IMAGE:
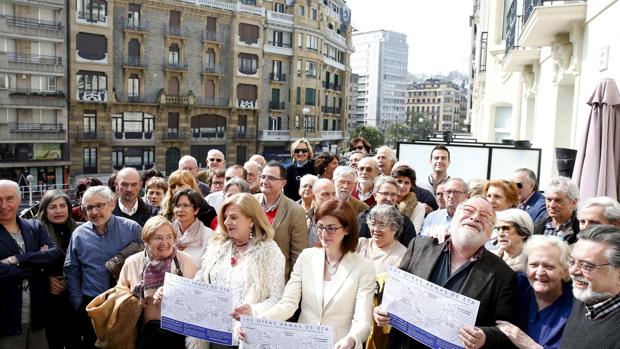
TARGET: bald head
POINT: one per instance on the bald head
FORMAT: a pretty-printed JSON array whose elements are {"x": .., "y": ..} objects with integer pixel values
[
  {"x": 259, "y": 159},
  {"x": 324, "y": 190},
  {"x": 129, "y": 184},
  {"x": 189, "y": 163}
]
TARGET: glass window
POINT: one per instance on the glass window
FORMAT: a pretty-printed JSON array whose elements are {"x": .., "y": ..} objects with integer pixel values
[
  {"x": 248, "y": 33},
  {"x": 310, "y": 96},
  {"x": 90, "y": 160},
  {"x": 248, "y": 64}
]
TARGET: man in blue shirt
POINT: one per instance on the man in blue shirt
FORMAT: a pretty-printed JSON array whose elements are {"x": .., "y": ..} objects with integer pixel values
[
  {"x": 92, "y": 244},
  {"x": 437, "y": 222},
  {"x": 530, "y": 199}
]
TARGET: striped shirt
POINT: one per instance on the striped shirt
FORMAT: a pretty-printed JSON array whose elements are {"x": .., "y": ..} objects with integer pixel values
[{"x": 601, "y": 310}]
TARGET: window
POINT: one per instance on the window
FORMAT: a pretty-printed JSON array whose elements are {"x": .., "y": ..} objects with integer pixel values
[
  {"x": 140, "y": 158},
  {"x": 310, "y": 96},
  {"x": 275, "y": 123},
  {"x": 210, "y": 89},
  {"x": 277, "y": 7},
  {"x": 91, "y": 86},
  {"x": 312, "y": 43},
  {"x": 208, "y": 126},
  {"x": 248, "y": 64},
  {"x": 211, "y": 24},
  {"x": 48, "y": 83},
  {"x": 483, "y": 51},
  {"x": 311, "y": 69},
  {"x": 300, "y": 40},
  {"x": 298, "y": 96},
  {"x": 90, "y": 122},
  {"x": 173, "y": 54},
  {"x": 4, "y": 81},
  {"x": 133, "y": 16},
  {"x": 173, "y": 124},
  {"x": 309, "y": 123},
  {"x": 210, "y": 59},
  {"x": 325, "y": 124},
  {"x": 333, "y": 125},
  {"x": 133, "y": 88},
  {"x": 297, "y": 122},
  {"x": 174, "y": 21},
  {"x": 276, "y": 70},
  {"x": 299, "y": 67},
  {"x": 248, "y": 33},
  {"x": 91, "y": 47},
  {"x": 90, "y": 160},
  {"x": 302, "y": 11},
  {"x": 242, "y": 124},
  {"x": 247, "y": 92},
  {"x": 314, "y": 14},
  {"x": 249, "y": 2},
  {"x": 133, "y": 125},
  {"x": 92, "y": 10}
]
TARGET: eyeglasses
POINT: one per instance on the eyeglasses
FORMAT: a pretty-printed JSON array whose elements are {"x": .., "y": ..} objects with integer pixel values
[
  {"x": 453, "y": 192},
  {"x": 584, "y": 266},
  {"x": 470, "y": 210},
  {"x": 270, "y": 178},
  {"x": 519, "y": 185},
  {"x": 357, "y": 148},
  {"x": 301, "y": 150},
  {"x": 379, "y": 225},
  {"x": 330, "y": 229},
  {"x": 216, "y": 160},
  {"x": 366, "y": 169},
  {"x": 98, "y": 206},
  {"x": 216, "y": 183},
  {"x": 439, "y": 193},
  {"x": 183, "y": 206},
  {"x": 387, "y": 193}
]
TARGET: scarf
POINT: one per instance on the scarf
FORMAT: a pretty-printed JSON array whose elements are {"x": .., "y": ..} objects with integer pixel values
[
  {"x": 408, "y": 204},
  {"x": 191, "y": 237},
  {"x": 153, "y": 275}
]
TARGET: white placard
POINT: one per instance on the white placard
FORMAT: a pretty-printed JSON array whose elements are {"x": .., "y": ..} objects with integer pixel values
[{"x": 272, "y": 334}]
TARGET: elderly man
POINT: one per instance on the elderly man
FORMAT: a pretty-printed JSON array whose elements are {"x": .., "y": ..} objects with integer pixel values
[
  {"x": 286, "y": 217},
  {"x": 189, "y": 163},
  {"x": 367, "y": 171},
  {"x": 561, "y": 218},
  {"x": 437, "y": 222},
  {"x": 217, "y": 198},
  {"x": 386, "y": 158},
  {"x": 324, "y": 190},
  {"x": 354, "y": 158},
  {"x": 462, "y": 264},
  {"x": 254, "y": 170},
  {"x": 440, "y": 161},
  {"x": 344, "y": 179},
  {"x": 215, "y": 160},
  {"x": 595, "y": 270},
  {"x": 92, "y": 245},
  {"x": 598, "y": 210},
  {"x": 129, "y": 205},
  {"x": 26, "y": 252},
  {"x": 259, "y": 159},
  {"x": 386, "y": 193},
  {"x": 531, "y": 200}
]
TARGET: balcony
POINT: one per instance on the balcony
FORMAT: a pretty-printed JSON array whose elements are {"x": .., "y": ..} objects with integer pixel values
[
  {"x": 278, "y": 47},
  {"x": 148, "y": 135},
  {"x": 22, "y": 97},
  {"x": 214, "y": 101},
  {"x": 25, "y": 63},
  {"x": 92, "y": 96},
  {"x": 543, "y": 19},
  {"x": 248, "y": 73},
  {"x": 213, "y": 69},
  {"x": 90, "y": 135},
  {"x": 332, "y": 135},
  {"x": 43, "y": 3},
  {"x": 247, "y": 104},
  {"x": 335, "y": 38},
  {"x": 136, "y": 62},
  {"x": 173, "y": 30},
  {"x": 175, "y": 67},
  {"x": 88, "y": 17},
  {"x": 330, "y": 110},
  {"x": 277, "y": 77},
  {"x": 174, "y": 135},
  {"x": 32, "y": 28},
  {"x": 32, "y": 131},
  {"x": 209, "y": 133},
  {"x": 244, "y": 135},
  {"x": 136, "y": 99},
  {"x": 136, "y": 26},
  {"x": 274, "y": 135},
  {"x": 187, "y": 100},
  {"x": 517, "y": 57},
  {"x": 280, "y": 18},
  {"x": 216, "y": 37},
  {"x": 332, "y": 86},
  {"x": 277, "y": 105}
]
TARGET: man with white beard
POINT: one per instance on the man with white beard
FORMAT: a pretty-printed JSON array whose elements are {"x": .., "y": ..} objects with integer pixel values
[
  {"x": 367, "y": 171},
  {"x": 462, "y": 264},
  {"x": 344, "y": 180},
  {"x": 595, "y": 270}
]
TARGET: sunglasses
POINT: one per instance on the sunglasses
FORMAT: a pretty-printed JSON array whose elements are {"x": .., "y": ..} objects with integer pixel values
[
  {"x": 302, "y": 150},
  {"x": 216, "y": 160},
  {"x": 357, "y": 148},
  {"x": 520, "y": 185}
]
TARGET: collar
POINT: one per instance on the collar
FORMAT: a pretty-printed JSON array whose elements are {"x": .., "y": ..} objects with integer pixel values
[
  {"x": 602, "y": 309},
  {"x": 432, "y": 181},
  {"x": 263, "y": 204},
  {"x": 361, "y": 195},
  {"x": 526, "y": 203},
  {"x": 128, "y": 211},
  {"x": 477, "y": 255},
  {"x": 302, "y": 163}
]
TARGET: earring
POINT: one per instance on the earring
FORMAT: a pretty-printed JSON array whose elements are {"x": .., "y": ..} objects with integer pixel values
[{"x": 252, "y": 234}]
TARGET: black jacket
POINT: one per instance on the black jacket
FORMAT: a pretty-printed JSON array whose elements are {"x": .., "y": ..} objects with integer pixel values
[
  {"x": 144, "y": 212},
  {"x": 293, "y": 175},
  {"x": 404, "y": 237}
]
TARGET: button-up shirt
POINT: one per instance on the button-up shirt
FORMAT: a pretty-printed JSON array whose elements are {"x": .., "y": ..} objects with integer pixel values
[
  {"x": 436, "y": 220},
  {"x": 126, "y": 210},
  {"x": 601, "y": 310},
  {"x": 85, "y": 271}
]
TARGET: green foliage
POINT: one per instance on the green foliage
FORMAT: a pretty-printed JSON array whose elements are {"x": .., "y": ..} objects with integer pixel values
[
  {"x": 371, "y": 134},
  {"x": 397, "y": 133}
]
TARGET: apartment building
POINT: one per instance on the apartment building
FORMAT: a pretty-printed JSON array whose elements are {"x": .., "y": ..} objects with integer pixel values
[
  {"x": 155, "y": 80},
  {"x": 380, "y": 60},
  {"x": 534, "y": 66},
  {"x": 440, "y": 101},
  {"x": 33, "y": 89}
]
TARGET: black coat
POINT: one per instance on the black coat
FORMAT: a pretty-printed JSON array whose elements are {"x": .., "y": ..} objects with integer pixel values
[
  {"x": 144, "y": 212},
  {"x": 293, "y": 175}
]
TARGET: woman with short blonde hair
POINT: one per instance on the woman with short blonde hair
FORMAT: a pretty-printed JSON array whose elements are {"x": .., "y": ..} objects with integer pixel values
[{"x": 302, "y": 164}]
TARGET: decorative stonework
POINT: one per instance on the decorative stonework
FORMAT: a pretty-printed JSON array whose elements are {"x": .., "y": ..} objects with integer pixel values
[{"x": 565, "y": 61}]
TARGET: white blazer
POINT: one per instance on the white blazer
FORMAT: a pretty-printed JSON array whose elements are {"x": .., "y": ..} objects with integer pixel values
[{"x": 347, "y": 304}]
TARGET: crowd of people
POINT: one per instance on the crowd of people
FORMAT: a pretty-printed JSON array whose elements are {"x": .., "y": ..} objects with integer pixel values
[{"x": 312, "y": 243}]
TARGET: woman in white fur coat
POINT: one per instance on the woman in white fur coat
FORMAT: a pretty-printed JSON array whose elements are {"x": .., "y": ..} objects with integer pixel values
[{"x": 242, "y": 255}]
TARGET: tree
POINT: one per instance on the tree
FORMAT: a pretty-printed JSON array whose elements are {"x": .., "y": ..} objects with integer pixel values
[
  {"x": 370, "y": 133},
  {"x": 421, "y": 128},
  {"x": 397, "y": 132}
]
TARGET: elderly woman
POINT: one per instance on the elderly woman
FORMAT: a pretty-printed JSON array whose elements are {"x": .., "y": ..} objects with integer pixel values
[
  {"x": 407, "y": 201},
  {"x": 325, "y": 163},
  {"x": 144, "y": 273},
  {"x": 243, "y": 256},
  {"x": 155, "y": 189},
  {"x": 334, "y": 284},
  {"x": 191, "y": 232},
  {"x": 302, "y": 154},
  {"x": 305, "y": 191},
  {"x": 180, "y": 180},
  {"x": 501, "y": 194},
  {"x": 513, "y": 228},
  {"x": 235, "y": 186},
  {"x": 385, "y": 223},
  {"x": 544, "y": 294},
  {"x": 54, "y": 214}
]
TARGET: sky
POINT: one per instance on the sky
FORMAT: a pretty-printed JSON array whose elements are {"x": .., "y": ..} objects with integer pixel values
[{"x": 438, "y": 31}]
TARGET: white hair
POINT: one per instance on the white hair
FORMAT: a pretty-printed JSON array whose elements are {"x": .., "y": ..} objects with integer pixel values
[
  {"x": 611, "y": 207},
  {"x": 188, "y": 158},
  {"x": 12, "y": 184},
  {"x": 102, "y": 190},
  {"x": 564, "y": 185},
  {"x": 344, "y": 171}
]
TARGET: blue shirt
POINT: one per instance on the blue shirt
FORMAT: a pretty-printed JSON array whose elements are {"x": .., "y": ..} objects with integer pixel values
[
  {"x": 535, "y": 207},
  {"x": 85, "y": 271},
  {"x": 545, "y": 326},
  {"x": 436, "y": 220}
]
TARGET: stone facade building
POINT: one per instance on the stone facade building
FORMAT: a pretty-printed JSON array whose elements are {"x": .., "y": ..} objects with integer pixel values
[{"x": 440, "y": 101}]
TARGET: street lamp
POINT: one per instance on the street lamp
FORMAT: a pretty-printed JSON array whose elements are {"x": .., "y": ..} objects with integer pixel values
[
  {"x": 306, "y": 111},
  {"x": 30, "y": 179}
]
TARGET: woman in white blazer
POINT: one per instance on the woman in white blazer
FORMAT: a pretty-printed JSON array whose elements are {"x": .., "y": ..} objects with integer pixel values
[{"x": 333, "y": 282}]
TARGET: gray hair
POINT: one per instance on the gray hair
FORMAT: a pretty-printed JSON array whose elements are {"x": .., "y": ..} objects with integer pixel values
[
  {"x": 372, "y": 160},
  {"x": 188, "y": 158},
  {"x": 12, "y": 184},
  {"x": 381, "y": 180},
  {"x": 531, "y": 176},
  {"x": 390, "y": 152},
  {"x": 520, "y": 218},
  {"x": 611, "y": 207},
  {"x": 240, "y": 182},
  {"x": 391, "y": 214},
  {"x": 102, "y": 190},
  {"x": 604, "y": 234},
  {"x": 468, "y": 200},
  {"x": 563, "y": 185},
  {"x": 463, "y": 183},
  {"x": 547, "y": 241},
  {"x": 344, "y": 171},
  {"x": 309, "y": 176},
  {"x": 320, "y": 182},
  {"x": 252, "y": 163}
]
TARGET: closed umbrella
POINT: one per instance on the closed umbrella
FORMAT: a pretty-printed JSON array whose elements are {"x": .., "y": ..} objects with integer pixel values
[{"x": 597, "y": 166}]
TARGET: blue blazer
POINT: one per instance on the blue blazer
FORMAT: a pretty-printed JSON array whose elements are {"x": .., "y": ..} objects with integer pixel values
[
  {"x": 34, "y": 266},
  {"x": 535, "y": 207}
]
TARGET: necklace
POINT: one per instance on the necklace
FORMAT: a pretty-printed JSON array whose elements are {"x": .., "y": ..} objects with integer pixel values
[
  {"x": 332, "y": 267},
  {"x": 235, "y": 251}
]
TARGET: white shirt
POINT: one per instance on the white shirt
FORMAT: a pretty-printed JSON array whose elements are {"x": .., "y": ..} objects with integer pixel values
[{"x": 127, "y": 211}]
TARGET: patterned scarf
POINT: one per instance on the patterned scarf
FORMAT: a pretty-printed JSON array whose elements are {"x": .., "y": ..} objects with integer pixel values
[
  {"x": 191, "y": 237},
  {"x": 153, "y": 275}
]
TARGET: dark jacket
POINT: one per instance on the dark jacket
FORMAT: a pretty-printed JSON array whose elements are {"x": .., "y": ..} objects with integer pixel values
[
  {"x": 426, "y": 197},
  {"x": 33, "y": 265},
  {"x": 539, "y": 228},
  {"x": 206, "y": 213},
  {"x": 490, "y": 281},
  {"x": 293, "y": 175},
  {"x": 404, "y": 237},
  {"x": 144, "y": 212},
  {"x": 61, "y": 240},
  {"x": 535, "y": 207}
]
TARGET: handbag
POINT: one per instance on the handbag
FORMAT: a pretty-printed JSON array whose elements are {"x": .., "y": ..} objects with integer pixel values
[{"x": 114, "y": 315}]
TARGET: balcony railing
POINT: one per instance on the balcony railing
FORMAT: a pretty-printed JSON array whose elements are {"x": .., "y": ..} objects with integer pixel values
[
  {"x": 136, "y": 62},
  {"x": 280, "y": 17},
  {"x": 34, "y": 127},
  {"x": 32, "y": 131},
  {"x": 332, "y": 86},
  {"x": 330, "y": 110},
  {"x": 277, "y": 105},
  {"x": 53, "y": 3},
  {"x": 174, "y": 135},
  {"x": 216, "y": 69},
  {"x": 173, "y": 30},
  {"x": 277, "y": 77},
  {"x": 280, "y": 44},
  {"x": 332, "y": 135},
  {"x": 138, "y": 26},
  {"x": 29, "y": 62},
  {"x": 208, "y": 133},
  {"x": 132, "y": 135},
  {"x": 33, "y": 97},
  {"x": 513, "y": 27},
  {"x": 90, "y": 17},
  {"x": 95, "y": 96},
  {"x": 247, "y": 104},
  {"x": 214, "y": 101},
  {"x": 274, "y": 135},
  {"x": 244, "y": 135},
  {"x": 135, "y": 99},
  {"x": 216, "y": 36},
  {"x": 90, "y": 134},
  {"x": 176, "y": 66},
  {"x": 31, "y": 27}
]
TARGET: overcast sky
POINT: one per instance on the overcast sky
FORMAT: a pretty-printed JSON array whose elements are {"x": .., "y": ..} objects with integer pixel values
[{"x": 438, "y": 31}]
